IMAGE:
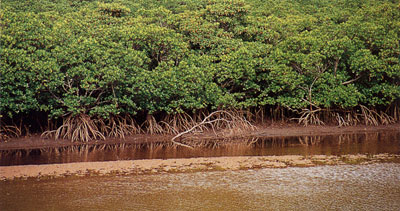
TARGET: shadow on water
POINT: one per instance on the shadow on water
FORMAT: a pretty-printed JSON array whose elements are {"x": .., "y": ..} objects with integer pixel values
[{"x": 362, "y": 143}]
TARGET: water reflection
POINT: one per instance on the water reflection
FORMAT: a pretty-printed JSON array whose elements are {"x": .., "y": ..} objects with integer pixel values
[{"x": 365, "y": 143}]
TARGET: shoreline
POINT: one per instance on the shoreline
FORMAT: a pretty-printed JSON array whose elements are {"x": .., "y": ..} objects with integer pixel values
[
  {"x": 275, "y": 130},
  {"x": 184, "y": 165}
]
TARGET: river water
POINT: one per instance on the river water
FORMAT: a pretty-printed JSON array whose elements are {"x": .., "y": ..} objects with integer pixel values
[
  {"x": 346, "y": 187},
  {"x": 349, "y": 187},
  {"x": 358, "y": 143}
]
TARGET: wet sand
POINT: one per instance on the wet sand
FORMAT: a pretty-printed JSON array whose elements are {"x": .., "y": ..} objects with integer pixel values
[{"x": 159, "y": 166}]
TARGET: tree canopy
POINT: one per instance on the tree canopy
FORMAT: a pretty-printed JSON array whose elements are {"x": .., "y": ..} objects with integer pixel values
[{"x": 102, "y": 58}]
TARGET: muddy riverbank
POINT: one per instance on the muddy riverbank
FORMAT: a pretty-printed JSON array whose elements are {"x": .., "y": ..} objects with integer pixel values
[
  {"x": 159, "y": 166},
  {"x": 275, "y": 130}
]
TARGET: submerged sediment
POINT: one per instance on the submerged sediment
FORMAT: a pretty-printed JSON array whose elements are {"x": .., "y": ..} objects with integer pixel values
[{"x": 157, "y": 166}]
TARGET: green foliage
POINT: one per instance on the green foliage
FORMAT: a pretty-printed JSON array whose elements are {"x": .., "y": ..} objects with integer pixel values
[
  {"x": 114, "y": 9},
  {"x": 104, "y": 58}
]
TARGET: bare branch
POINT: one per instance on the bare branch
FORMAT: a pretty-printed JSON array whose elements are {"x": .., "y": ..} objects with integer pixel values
[
  {"x": 201, "y": 123},
  {"x": 352, "y": 80},
  {"x": 228, "y": 118},
  {"x": 297, "y": 67},
  {"x": 336, "y": 65}
]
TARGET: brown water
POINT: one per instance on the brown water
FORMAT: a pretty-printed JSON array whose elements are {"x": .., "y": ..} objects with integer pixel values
[
  {"x": 362, "y": 143},
  {"x": 349, "y": 187}
]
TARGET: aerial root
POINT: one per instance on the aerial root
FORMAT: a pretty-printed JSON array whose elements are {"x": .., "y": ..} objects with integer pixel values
[
  {"x": 10, "y": 131},
  {"x": 218, "y": 121},
  {"x": 76, "y": 128},
  {"x": 345, "y": 118},
  {"x": 309, "y": 117},
  {"x": 371, "y": 117},
  {"x": 152, "y": 126},
  {"x": 119, "y": 126},
  {"x": 348, "y": 119}
]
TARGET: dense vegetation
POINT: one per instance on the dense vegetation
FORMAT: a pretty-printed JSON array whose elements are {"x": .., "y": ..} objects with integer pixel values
[{"x": 104, "y": 60}]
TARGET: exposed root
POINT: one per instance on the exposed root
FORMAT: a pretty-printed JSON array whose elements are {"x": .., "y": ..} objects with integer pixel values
[
  {"x": 348, "y": 119},
  {"x": 386, "y": 119},
  {"x": 219, "y": 120},
  {"x": 367, "y": 116},
  {"x": 118, "y": 127},
  {"x": 76, "y": 128},
  {"x": 178, "y": 122},
  {"x": 3, "y": 137},
  {"x": 371, "y": 117},
  {"x": 230, "y": 123},
  {"x": 151, "y": 126},
  {"x": 259, "y": 116},
  {"x": 82, "y": 128},
  {"x": 11, "y": 131},
  {"x": 278, "y": 113},
  {"x": 396, "y": 113},
  {"x": 309, "y": 117}
]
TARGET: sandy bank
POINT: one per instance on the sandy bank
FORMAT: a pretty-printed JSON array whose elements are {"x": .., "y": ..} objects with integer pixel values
[{"x": 156, "y": 166}]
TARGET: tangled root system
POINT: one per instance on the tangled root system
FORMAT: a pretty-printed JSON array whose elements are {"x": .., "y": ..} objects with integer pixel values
[
  {"x": 230, "y": 123},
  {"x": 309, "y": 117},
  {"x": 372, "y": 117},
  {"x": 77, "y": 128},
  {"x": 118, "y": 126}
]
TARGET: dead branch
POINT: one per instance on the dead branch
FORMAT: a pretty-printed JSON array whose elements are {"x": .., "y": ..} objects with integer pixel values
[
  {"x": 352, "y": 80},
  {"x": 309, "y": 117},
  {"x": 194, "y": 127},
  {"x": 230, "y": 122}
]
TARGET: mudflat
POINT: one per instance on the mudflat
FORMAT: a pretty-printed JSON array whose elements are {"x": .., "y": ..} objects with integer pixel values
[{"x": 157, "y": 166}]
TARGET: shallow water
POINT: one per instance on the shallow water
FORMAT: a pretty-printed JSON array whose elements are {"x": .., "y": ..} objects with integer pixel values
[
  {"x": 361, "y": 143},
  {"x": 349, "y": 187}
]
